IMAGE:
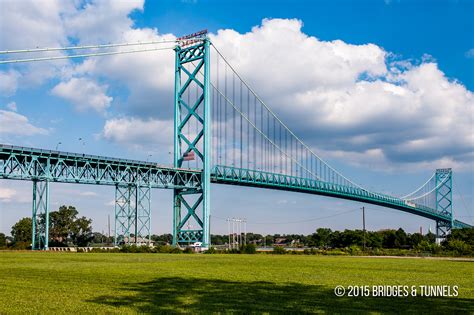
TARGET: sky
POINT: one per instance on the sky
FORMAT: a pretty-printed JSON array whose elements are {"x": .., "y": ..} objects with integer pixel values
[{"x": 382, "y": 90}]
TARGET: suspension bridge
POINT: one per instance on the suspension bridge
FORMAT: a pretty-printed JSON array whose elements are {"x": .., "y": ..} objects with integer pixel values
[{"x": 224, "y": 133}]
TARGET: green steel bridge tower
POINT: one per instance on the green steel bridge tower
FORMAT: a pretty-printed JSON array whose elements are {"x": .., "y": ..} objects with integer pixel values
[{"x": 191, "y": 62}]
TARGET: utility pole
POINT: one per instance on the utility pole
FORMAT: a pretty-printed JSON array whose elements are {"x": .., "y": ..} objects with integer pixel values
[
  {"x": 233, "y": 232},
  {"x": 363, "y": 224},
  {"x": 108, "y": 225},
  {"x": 245, "y": 231},
  {"x": 228, "y": 230}
]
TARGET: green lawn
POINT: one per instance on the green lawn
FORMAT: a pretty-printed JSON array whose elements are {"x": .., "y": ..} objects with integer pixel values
[{"x": 76, "y": 283}]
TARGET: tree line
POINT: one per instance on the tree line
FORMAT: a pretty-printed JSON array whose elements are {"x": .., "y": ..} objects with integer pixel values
[{"x": 67, "y": 228}]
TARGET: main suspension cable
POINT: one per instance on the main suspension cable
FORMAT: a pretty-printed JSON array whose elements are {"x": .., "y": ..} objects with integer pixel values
[
  {"x": 82, "y": 55},
  {"x": 48, "y": 49}
]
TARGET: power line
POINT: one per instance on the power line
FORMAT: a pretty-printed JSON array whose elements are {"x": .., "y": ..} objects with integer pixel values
[{"x": 82, "y": 55}]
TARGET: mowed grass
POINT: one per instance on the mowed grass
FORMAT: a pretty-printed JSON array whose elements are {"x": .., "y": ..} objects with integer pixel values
[{"x": 76, "y": 283}]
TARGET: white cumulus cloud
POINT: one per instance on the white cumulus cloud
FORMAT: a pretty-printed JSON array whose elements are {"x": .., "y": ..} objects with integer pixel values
[
  {"x": 346, "y": 101},
  {"x": 12, "y": 123},
  {"x": 8, "y": 82},
  {"x": 136, "y": 133},
  {"x": 84, "y": 94}
]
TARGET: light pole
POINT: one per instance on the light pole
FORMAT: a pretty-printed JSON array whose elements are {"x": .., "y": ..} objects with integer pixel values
[
  {"x": 83, "y": 143},
  {"x": 57, "y": 145},
  {"x": 245, "y": 231},
  {"x": 363, "y": 224},
  {"x": 228, "y": 230}
]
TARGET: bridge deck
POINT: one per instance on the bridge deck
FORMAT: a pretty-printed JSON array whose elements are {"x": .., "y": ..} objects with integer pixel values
[
  {"x": 245, "y": 177},
  {"x": 36, "y": 164}
]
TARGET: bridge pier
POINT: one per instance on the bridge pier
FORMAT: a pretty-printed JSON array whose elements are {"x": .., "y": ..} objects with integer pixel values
[
  {"x": 132, "y": 213},
  {"x": 40, "y": 215}
]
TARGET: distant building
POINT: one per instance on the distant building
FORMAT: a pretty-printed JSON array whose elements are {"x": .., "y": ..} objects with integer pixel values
[
  {"x": 140, "y": 241},
  {"x": 280, "y": 241}
]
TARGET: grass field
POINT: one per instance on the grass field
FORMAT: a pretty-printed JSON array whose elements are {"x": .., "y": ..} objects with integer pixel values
[{"x": 76, "y": 283}]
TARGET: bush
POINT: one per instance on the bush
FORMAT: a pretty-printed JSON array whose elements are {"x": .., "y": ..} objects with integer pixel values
[
  {"x": 278, "y": 250},
  {"x": 425, "y": 246},
  {"x": 335, "y": 252},
  {"x": 176, "y": 250},
  {"x": 248, "y": 249},
  {"x": 211, "y": 250},
  {"x": 188, "y": 250},
  {"x": 21, "y": 245},
  {"x": 355, "y": 250},
  {"x": 459, "y": 247},
  {"x": 296, "y": 252},
  {"x": 164, "y": 249},
  {"x": 312, "y": 251},
  {"x": 136, "y": 249}
]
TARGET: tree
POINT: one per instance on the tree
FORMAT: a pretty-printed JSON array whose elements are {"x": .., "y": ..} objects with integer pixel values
[
  {"x": 322, "y": 237},
  {"x": 374, "y": 240},
  {"x": 389, "y": 238},
  {"x": 61, "y": 224},
  {"x": 3, "y": 240},
  {"x": 81, "y": 232},
  {"x": 415, "y": 239},
  {"x": 22, "y": 230},
  {"x": 163, "y": 239},
  {"x": 459, "y": 247},
  {"x": 430, "y": 237},
  {"x": 400, "y": 238},
  {"x": 64, "y": 226},
  {"x": 465, "y": 234}
]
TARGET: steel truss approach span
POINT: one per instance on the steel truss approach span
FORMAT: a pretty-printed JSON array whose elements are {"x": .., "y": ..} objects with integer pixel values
[
  {"x": 223, "y": 133},
  {"x": 132, "y": 179},
  {"x": 65, "y": 167}
]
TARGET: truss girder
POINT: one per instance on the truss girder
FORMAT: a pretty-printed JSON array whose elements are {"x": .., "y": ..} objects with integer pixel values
[{"x": 33, "y": 164}]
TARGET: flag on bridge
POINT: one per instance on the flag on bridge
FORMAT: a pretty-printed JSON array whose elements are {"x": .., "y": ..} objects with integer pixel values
[{"x": 188, "y": 156}]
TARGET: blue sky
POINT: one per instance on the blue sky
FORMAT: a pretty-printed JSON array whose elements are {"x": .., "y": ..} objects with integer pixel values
[
  {"x": 414, "y": 113},
  {"x": 443, "y": 29}
]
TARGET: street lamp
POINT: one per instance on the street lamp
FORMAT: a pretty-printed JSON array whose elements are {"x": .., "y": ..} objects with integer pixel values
[
  {"x": 83, "y": 143},
  {"x": 57, "y": 145}
]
